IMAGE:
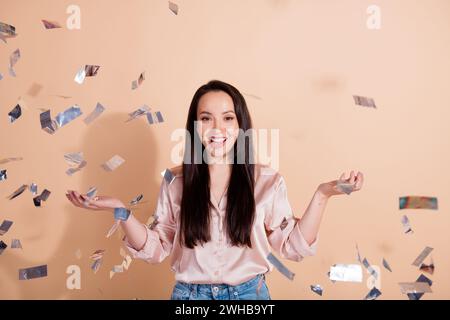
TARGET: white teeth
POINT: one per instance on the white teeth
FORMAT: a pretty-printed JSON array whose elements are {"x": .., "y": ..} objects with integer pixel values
[{"x": 218, "y": 139}]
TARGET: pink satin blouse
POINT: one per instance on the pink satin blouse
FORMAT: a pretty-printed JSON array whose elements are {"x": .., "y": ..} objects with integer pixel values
[{"x": 275, "y": 228}]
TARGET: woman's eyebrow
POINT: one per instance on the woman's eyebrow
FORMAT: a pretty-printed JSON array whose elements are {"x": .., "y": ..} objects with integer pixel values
[{"x": 229, "y": 111}]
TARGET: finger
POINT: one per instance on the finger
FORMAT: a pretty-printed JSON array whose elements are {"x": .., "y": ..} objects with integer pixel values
[
  {"x": 359, "y": 181},
  {"x": 72, "y": 199},
  {"x": 352, "y": 177},
  {"x": 76, "y": 197}
]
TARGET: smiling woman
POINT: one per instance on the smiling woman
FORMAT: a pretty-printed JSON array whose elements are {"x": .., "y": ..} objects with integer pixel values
[{"x": 218, "y": 217}]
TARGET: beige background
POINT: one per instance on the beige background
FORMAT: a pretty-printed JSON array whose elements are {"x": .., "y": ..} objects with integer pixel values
[{"x": 305, "y": 59}]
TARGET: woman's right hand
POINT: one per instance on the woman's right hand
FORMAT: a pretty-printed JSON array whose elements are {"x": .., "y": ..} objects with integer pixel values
[{"x": 96, "y": 203}]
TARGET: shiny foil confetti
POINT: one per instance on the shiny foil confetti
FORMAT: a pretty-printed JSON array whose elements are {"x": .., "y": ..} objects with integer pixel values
[
  {"x": 364, "y": 101},
  {"x": 3, "y": 175},
  {"x": 94, "y": 114},
  {"x": 418, "y": 202},
  {"x": 15, "y": 113},
  {"x": 113, "y": 228},
  {"x": 168, "y": 176},
  {"x": 42, "y": 197},
  {"x": 373, "y": 294},
  {"x": 4, "y": 227},
  {"x": 15, "y": 244},
  {"x": 173, "y": 7},
  {"x": 417, "y": 296},
  {"x": 346, "y": 272},
  {"x": 96, "y": 265},
  {"x": 428, "y": 268},
  {"x": 33, "y": 272},
  {"x": 345, "y": 187},
  {"x": 138, "y": 113},
  {"x": 370, "y": 269},
  {"x": 86, "y": 71},
  {"x": 137, "y": 83},
  {"x": 280, "y": 266},
  {"x": 76, "y": 160},
  {"x": 415, "y": 287},
  {"x": 317, "y": 289},
  {"x": 47, "y": 124},
  {"x": 406, "y": 226},
  {"x": 97, "y": 256},
  {"x": 358, "y": 256},
  {"x": 33, "y": 188},
  {"x": 14, "y": 57},
  {"x": 154, "y": 118},
  {"x": 136, "y": 200},
  {"x": 386, "y": 265},
  {"x": 7, "y": 29},
  {"x": 68, "y": 115},
  {"x": 6, "y": 160},
  {"x": 1, "y": 76},
  {"x": 50, "y": 24},
  {"x": 3, "y": 247},
  {"x": 18, "y": 192},
  {"x": 113, "y": 163},
  {"x": 422, "y": 256}
]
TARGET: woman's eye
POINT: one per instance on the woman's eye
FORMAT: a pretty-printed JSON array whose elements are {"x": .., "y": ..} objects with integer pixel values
[
  {"x": 229, "y": 118},
  {"x": 204, "y": 119}
]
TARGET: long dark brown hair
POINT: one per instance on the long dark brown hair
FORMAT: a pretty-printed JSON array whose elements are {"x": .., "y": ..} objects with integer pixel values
[{"x": 195, "y": 202}]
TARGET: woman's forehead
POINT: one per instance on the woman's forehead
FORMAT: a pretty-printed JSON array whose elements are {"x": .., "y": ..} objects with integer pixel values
[{"x": 215, "y": 102}]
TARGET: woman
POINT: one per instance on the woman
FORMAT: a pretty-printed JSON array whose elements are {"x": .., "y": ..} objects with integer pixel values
[{"x": 220, "y": 215}]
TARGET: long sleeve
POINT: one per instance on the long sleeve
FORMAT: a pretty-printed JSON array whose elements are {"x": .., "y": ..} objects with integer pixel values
[
  {"x": 284, "y": 234},
  {"x": 160, "y": 235}
]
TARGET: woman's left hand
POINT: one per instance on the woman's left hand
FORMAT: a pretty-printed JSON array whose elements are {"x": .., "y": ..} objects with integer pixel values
[{"x": 342, "y": 186}]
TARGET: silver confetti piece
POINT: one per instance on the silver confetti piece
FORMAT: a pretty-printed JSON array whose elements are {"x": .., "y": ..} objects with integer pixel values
[
  {"x": 33, "y": 272},
  {"x": 137, "y": 83},
  {"x": 317, "y": 289},
  {"x": 113, "y": 228},
  {"x": 113, "y": 163},
  {"x": 422, "y": 256},
  {"x": 280, "y": 266},
  {"x": 74, "y": 158},
  {"x": 13, "y": 58},
  {"x": 7, "y": 29},
  {"x": 346, "y": 272},
  {"x": 386, "y": 265},
  {"x": 94, "y": 114},
  {"x": 358, "y": 257},
  {"x": 3, "y": 175},
  {"x": 50, "y": 24},
  {"x": 373, "y": 294},
  {"x": 15, "y": 244},
  {"x": 4, "y": 227},
  {"x": 168, "y": 176},
  {"x": 18, "y": 192},
  {"x": 370, "y": 269},
  {"x": 6, "y": 160},
  {"x": 86, "y": 71},
  {"x": 80, "y": 76},
  {"x": 15, "y": 113},
  {"x": 417, "y": 296},
  {"x": 406, "y": 226},
  {"x": 42, "y": 197},
  {"x": 1, "y": 76},
  {"x": 364, "y": 101},
  {"x": 3, "y": 246},
  {"x": 345, "y": 187},
  {"x": 47, "y": 124},
  {"x": 33, "y": 189},
  {"x": 96, "y": 265},
  {"x": 91, "y": 192},
  {"x": 173, "y": 7},
  {"x": 68, "y": 115},
  {"x": 156, "y": 118},
  {"x": 138, "y": 113},
  {"x": 136, "y": 200},
  {"x": 414, "y": 287},
  {"x": 98, "y": 254}
]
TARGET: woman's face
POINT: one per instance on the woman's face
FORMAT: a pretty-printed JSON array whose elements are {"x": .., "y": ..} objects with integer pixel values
[{"x": 218, "y": 126}]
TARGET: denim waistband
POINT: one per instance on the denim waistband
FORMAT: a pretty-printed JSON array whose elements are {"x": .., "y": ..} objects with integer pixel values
[{"x": 239, "y": 287}]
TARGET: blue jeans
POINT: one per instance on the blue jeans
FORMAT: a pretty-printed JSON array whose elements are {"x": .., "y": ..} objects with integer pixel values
[{"x": 253, "y": 289}]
